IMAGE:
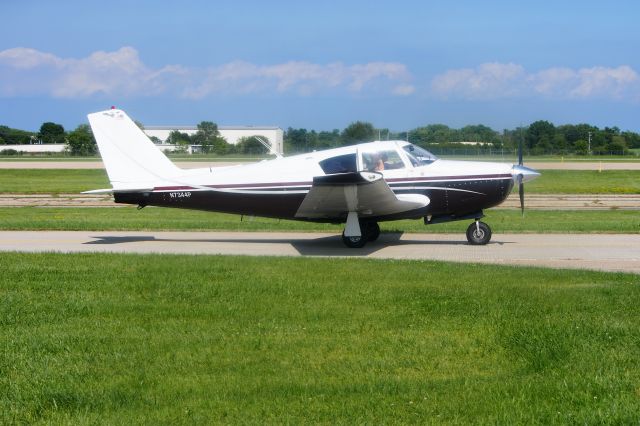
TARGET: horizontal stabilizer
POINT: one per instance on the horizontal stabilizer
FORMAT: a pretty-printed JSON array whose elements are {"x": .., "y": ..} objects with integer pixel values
[
  {"x": 113, "y": 190},
  {"x": 98, "y": 191}
]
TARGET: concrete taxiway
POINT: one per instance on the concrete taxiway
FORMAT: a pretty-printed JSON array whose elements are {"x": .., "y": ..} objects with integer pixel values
[{"x": 605, "y": 252}]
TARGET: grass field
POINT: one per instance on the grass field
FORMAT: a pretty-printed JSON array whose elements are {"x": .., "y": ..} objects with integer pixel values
[
  {"x": 129, "y": 219},
  {"x": 44, "y": 181},
  {"x": 124, "y": 339}
]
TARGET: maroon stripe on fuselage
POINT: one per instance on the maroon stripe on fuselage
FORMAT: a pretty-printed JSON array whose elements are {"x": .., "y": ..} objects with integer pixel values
[
  {"x": 295, "y": 184},
  {"x": 234, "y": 185},
  {"x": 437, "y": 178}
]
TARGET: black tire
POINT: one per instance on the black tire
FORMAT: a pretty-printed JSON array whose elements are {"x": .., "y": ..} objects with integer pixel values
[
  {"x": 371, "y": 230},
  {"x": 478, "y": 235},
  {"x": 354, "y": 242}
]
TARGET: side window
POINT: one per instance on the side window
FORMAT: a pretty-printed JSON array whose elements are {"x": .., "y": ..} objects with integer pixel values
[
  {"x": 340, "y": 164},
  {"x": 379, "y": 161}
]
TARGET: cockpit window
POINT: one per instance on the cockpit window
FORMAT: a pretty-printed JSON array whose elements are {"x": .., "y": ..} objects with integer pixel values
[
  {"x": 378, "y": 161},
  {"x": 419, "y": 156},
  {"x": 340, "y": 164}
]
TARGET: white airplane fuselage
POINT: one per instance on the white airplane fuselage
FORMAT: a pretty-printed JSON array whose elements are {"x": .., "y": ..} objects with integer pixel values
[
  {"x": 276, "y": 188},
  {"x": 359, "y": 185}
]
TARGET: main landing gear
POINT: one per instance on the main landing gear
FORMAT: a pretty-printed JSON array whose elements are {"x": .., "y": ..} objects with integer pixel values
[
  {"x": 370, "y": 232},
  {"x": 478, "y": 233}
]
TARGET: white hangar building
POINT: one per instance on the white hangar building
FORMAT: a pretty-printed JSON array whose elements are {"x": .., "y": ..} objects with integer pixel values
[{"x": 232, "y": 134}]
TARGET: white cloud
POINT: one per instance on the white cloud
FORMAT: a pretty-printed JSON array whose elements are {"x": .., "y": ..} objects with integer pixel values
[
  {"x": 490, "y": 80},
  {"x": 496, "y": 80},
  {"x": 27, "y": 72},
  {"x": 303, "y": 78},
  {"x": 23, "y": 58},
  {"x": 403, "y": 90},
  {"x": 601, "y": 81},
  {"x": 122, "y": 73}
]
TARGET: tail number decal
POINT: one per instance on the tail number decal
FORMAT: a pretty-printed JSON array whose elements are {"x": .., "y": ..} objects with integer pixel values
[{"x": 180, "y": 194}]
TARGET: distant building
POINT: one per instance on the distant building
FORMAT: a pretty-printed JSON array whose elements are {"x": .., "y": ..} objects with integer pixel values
[
  {"x": 36, "y": 148},
  {"x": 232, "y": 134}
]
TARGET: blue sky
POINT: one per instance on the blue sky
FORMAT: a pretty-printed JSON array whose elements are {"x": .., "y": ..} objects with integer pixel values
[{"x": 321, "y": 65}]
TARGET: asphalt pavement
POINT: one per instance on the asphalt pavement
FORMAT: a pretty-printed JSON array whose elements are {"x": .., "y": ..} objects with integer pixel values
[{"x": 604, "y": 252}]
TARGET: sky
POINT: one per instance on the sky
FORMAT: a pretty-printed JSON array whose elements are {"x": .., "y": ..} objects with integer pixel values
[{"x": 321, "y": 65}]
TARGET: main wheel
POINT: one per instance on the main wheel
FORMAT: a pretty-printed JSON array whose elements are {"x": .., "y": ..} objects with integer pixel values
[
  {"x": 354, "y": 242},
  {"x": 371, "y": 230},
  {"x": 478, "y": 233}
]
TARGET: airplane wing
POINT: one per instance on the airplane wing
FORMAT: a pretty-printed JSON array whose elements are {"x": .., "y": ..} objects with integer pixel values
[{"x": 366, "y": 193}]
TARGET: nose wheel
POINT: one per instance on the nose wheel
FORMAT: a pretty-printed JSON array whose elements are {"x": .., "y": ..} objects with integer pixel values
[{"x": 478, "y": 233}]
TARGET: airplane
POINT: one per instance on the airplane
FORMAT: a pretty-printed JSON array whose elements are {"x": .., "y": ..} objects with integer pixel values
[{"x": 359, "y": 185}]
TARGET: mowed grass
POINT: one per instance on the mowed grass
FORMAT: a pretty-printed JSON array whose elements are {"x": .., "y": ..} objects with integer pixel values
[
  {"x": 56, "y": 181},
  {"x": 146, "y": 339},
  {"x": 52, "y": 181},
  {"x": 585, "y": 182},
  {"x": 164, "y": 219}
]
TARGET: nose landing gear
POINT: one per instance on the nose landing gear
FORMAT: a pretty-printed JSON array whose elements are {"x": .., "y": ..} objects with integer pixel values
[{"x": 478, "y": 233}]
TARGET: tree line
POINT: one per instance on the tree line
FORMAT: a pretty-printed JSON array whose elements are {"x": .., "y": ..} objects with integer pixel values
[
  {"x": 81, "y": 142},
  {"x": 540, "y": 137}
]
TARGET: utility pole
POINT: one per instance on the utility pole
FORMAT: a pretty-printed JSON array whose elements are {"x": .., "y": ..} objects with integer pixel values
[{"x": 589, "y": 149}]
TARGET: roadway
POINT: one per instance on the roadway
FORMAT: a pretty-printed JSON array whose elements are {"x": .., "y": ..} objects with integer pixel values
[{"x": 604, "y": 252}]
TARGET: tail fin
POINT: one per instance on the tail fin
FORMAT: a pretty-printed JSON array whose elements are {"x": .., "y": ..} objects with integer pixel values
[{"x": 131, "y": 159}]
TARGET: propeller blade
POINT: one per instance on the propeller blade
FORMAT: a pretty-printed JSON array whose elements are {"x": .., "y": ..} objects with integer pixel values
[
  {"x": 521, "y": 192},
  {"x": 520, "y": 152}
]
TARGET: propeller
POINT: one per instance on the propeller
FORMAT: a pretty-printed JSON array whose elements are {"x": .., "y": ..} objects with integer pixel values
[
  {"x": 521, "y": 175},
  {"x": 520, "y": 183}
]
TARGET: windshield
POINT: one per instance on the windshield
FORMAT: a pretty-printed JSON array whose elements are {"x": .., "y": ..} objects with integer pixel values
[{"x": 419, "y": 156}]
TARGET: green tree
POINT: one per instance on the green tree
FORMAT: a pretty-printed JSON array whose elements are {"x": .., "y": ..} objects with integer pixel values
[
  {"x": 181, "y": 140},
  {"x": 433, "y": 133},
  {"x": 51, "y": 133},
  {"x": 618, "y": 145},
  {"x": 359, "y": 131},
  {"x": 559, "y": 143},
  {"x": 209, "y": 138},
  {"x": 632, "y": 139},
  {"x": 581, "y": 147},
  {"x": 251, "y": 145},
  {"x": 81, "y": 141},
  {"x": 479, "y": 133},
  {"x": 15, "y": 136},
  {"x": 539, "y": 135},
  {"x": 296, "y": 140},
  {"x": 328, "y": 139}
]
